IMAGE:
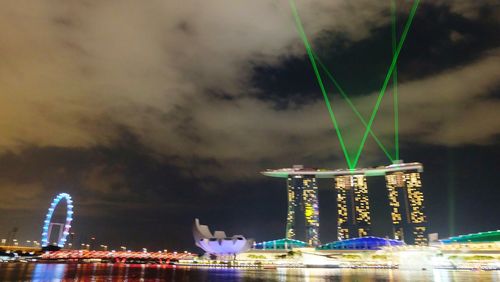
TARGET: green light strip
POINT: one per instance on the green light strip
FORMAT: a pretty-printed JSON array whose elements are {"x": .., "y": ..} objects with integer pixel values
[
  {"x": 386, "y": 81},
  {"x": 354, "y": 109},
  {"x": 395, "y": 83},
  {"x": 320, "y": 82}
]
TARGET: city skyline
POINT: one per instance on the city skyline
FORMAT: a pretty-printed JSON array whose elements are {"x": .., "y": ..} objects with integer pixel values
[{"x": 151, "y": 121}]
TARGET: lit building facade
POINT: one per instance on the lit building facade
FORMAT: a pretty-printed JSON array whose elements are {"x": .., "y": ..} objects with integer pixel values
[
  {"x": 280, "y": 244},
  {"x": 353, "y": 207},
  {"x": 218, "y": 243},
  {"x": 354, "y": 218},
  {"x": 406, "y": 200},
  {"x": 365, "y": 243},
  {"x": 303, "y": 202}
]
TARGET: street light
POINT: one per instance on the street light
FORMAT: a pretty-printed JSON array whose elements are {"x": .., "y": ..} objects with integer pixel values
[
  {"x": 92, "y": 243},
  {"x": 123, "y": 248}
]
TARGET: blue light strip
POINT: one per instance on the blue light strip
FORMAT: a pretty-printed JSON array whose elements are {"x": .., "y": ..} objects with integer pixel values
[
  {"x": 365, "y": 243},
  {"x": 48, "y": 217}
]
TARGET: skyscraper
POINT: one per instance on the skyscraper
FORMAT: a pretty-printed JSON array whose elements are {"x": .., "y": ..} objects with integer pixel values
[
  {"x": 353, "y": 207},
  {"x": 303, "y": 200},
  {"x": 354, "y": 217},
  {"x": 407, "y": 206}
]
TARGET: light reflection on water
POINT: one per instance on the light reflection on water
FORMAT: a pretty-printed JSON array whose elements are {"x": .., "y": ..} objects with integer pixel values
[
  {"x": 48, "y": 272},
  {"x": 142, "y": 272}
]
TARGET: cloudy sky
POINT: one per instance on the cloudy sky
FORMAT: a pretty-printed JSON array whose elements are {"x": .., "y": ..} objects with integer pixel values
[{"x": 151, "y": 113}]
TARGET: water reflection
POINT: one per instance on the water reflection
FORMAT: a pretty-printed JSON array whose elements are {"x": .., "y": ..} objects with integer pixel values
[
  {"x": 46, "y": 272},
  {"x": 141, "y": 272}
]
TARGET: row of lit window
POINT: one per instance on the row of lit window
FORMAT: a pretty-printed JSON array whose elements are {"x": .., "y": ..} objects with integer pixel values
[
  {"x": 419, "y": 234},
  {"x": 362, "y": 232},
  {"x": 343, "y": 233}
]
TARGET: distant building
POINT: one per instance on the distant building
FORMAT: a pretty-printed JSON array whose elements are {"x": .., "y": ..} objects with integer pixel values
[
  {"x": 407, "y": 206},
  {"x": 481, "y": 237},
  {"x": 219, "y": 244},
  {"x": 365, "y": 243},
  {"x": 354, "y": 217},
  {"x": 280, "y": 244},
  {"x": 303, "y": 198},
  {"x": 353, "y": 207}
]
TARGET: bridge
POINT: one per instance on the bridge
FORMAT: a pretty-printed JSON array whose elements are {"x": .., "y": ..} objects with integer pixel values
[
  {"x": 23, "y": 250},
  {"x": 56, "y": 251},
  {"x": 117, "y": 256}
]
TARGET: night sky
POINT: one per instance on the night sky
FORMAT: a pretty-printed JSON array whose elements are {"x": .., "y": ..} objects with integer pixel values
[{"x": 153, "y": 113}]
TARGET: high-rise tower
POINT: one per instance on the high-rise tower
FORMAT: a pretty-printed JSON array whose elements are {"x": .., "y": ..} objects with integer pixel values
[
  {"x": 353, "y": 207},
  {"x": 407, "y": 206},
  {"x": 354, "y": 218},
  {"x": 303, "y": 200}
]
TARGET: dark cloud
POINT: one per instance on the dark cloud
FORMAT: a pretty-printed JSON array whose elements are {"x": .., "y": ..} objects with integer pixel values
[{"x": 440, "y": 40}]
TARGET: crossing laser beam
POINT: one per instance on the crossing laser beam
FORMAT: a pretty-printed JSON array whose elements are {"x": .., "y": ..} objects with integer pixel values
[
  {"x": 387, "y": 78},
  {"x": 392, "y": 73},
  {"x": 352, "y": 106}
]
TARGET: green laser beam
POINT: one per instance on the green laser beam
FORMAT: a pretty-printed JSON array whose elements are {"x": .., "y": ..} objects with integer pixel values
[
  {"x": 351, "y": 105},
  {"x": 395, "y": 83},
  {"x": 390, "y": 74},
  {"x": 320, "y": 81},
  {"x": 386, "y": 81}
]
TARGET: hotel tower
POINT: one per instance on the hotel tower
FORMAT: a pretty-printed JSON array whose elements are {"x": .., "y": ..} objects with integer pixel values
[
  {"x": 404, "y": 189},
  {"x": 303, "y": 204}
]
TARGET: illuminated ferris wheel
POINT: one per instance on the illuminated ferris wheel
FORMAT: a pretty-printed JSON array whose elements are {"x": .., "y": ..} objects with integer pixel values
[{"x": 63, "y": 227}]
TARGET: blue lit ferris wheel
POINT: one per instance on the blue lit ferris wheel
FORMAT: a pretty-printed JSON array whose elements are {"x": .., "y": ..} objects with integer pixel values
[{"x": 64, "y": 228}]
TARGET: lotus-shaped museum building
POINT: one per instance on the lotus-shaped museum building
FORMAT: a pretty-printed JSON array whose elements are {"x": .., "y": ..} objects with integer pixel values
[{"x": 218, "y": 243}]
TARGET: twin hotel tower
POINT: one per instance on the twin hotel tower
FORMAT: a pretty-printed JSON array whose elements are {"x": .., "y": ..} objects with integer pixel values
[{"x": 404, "y": 190}]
